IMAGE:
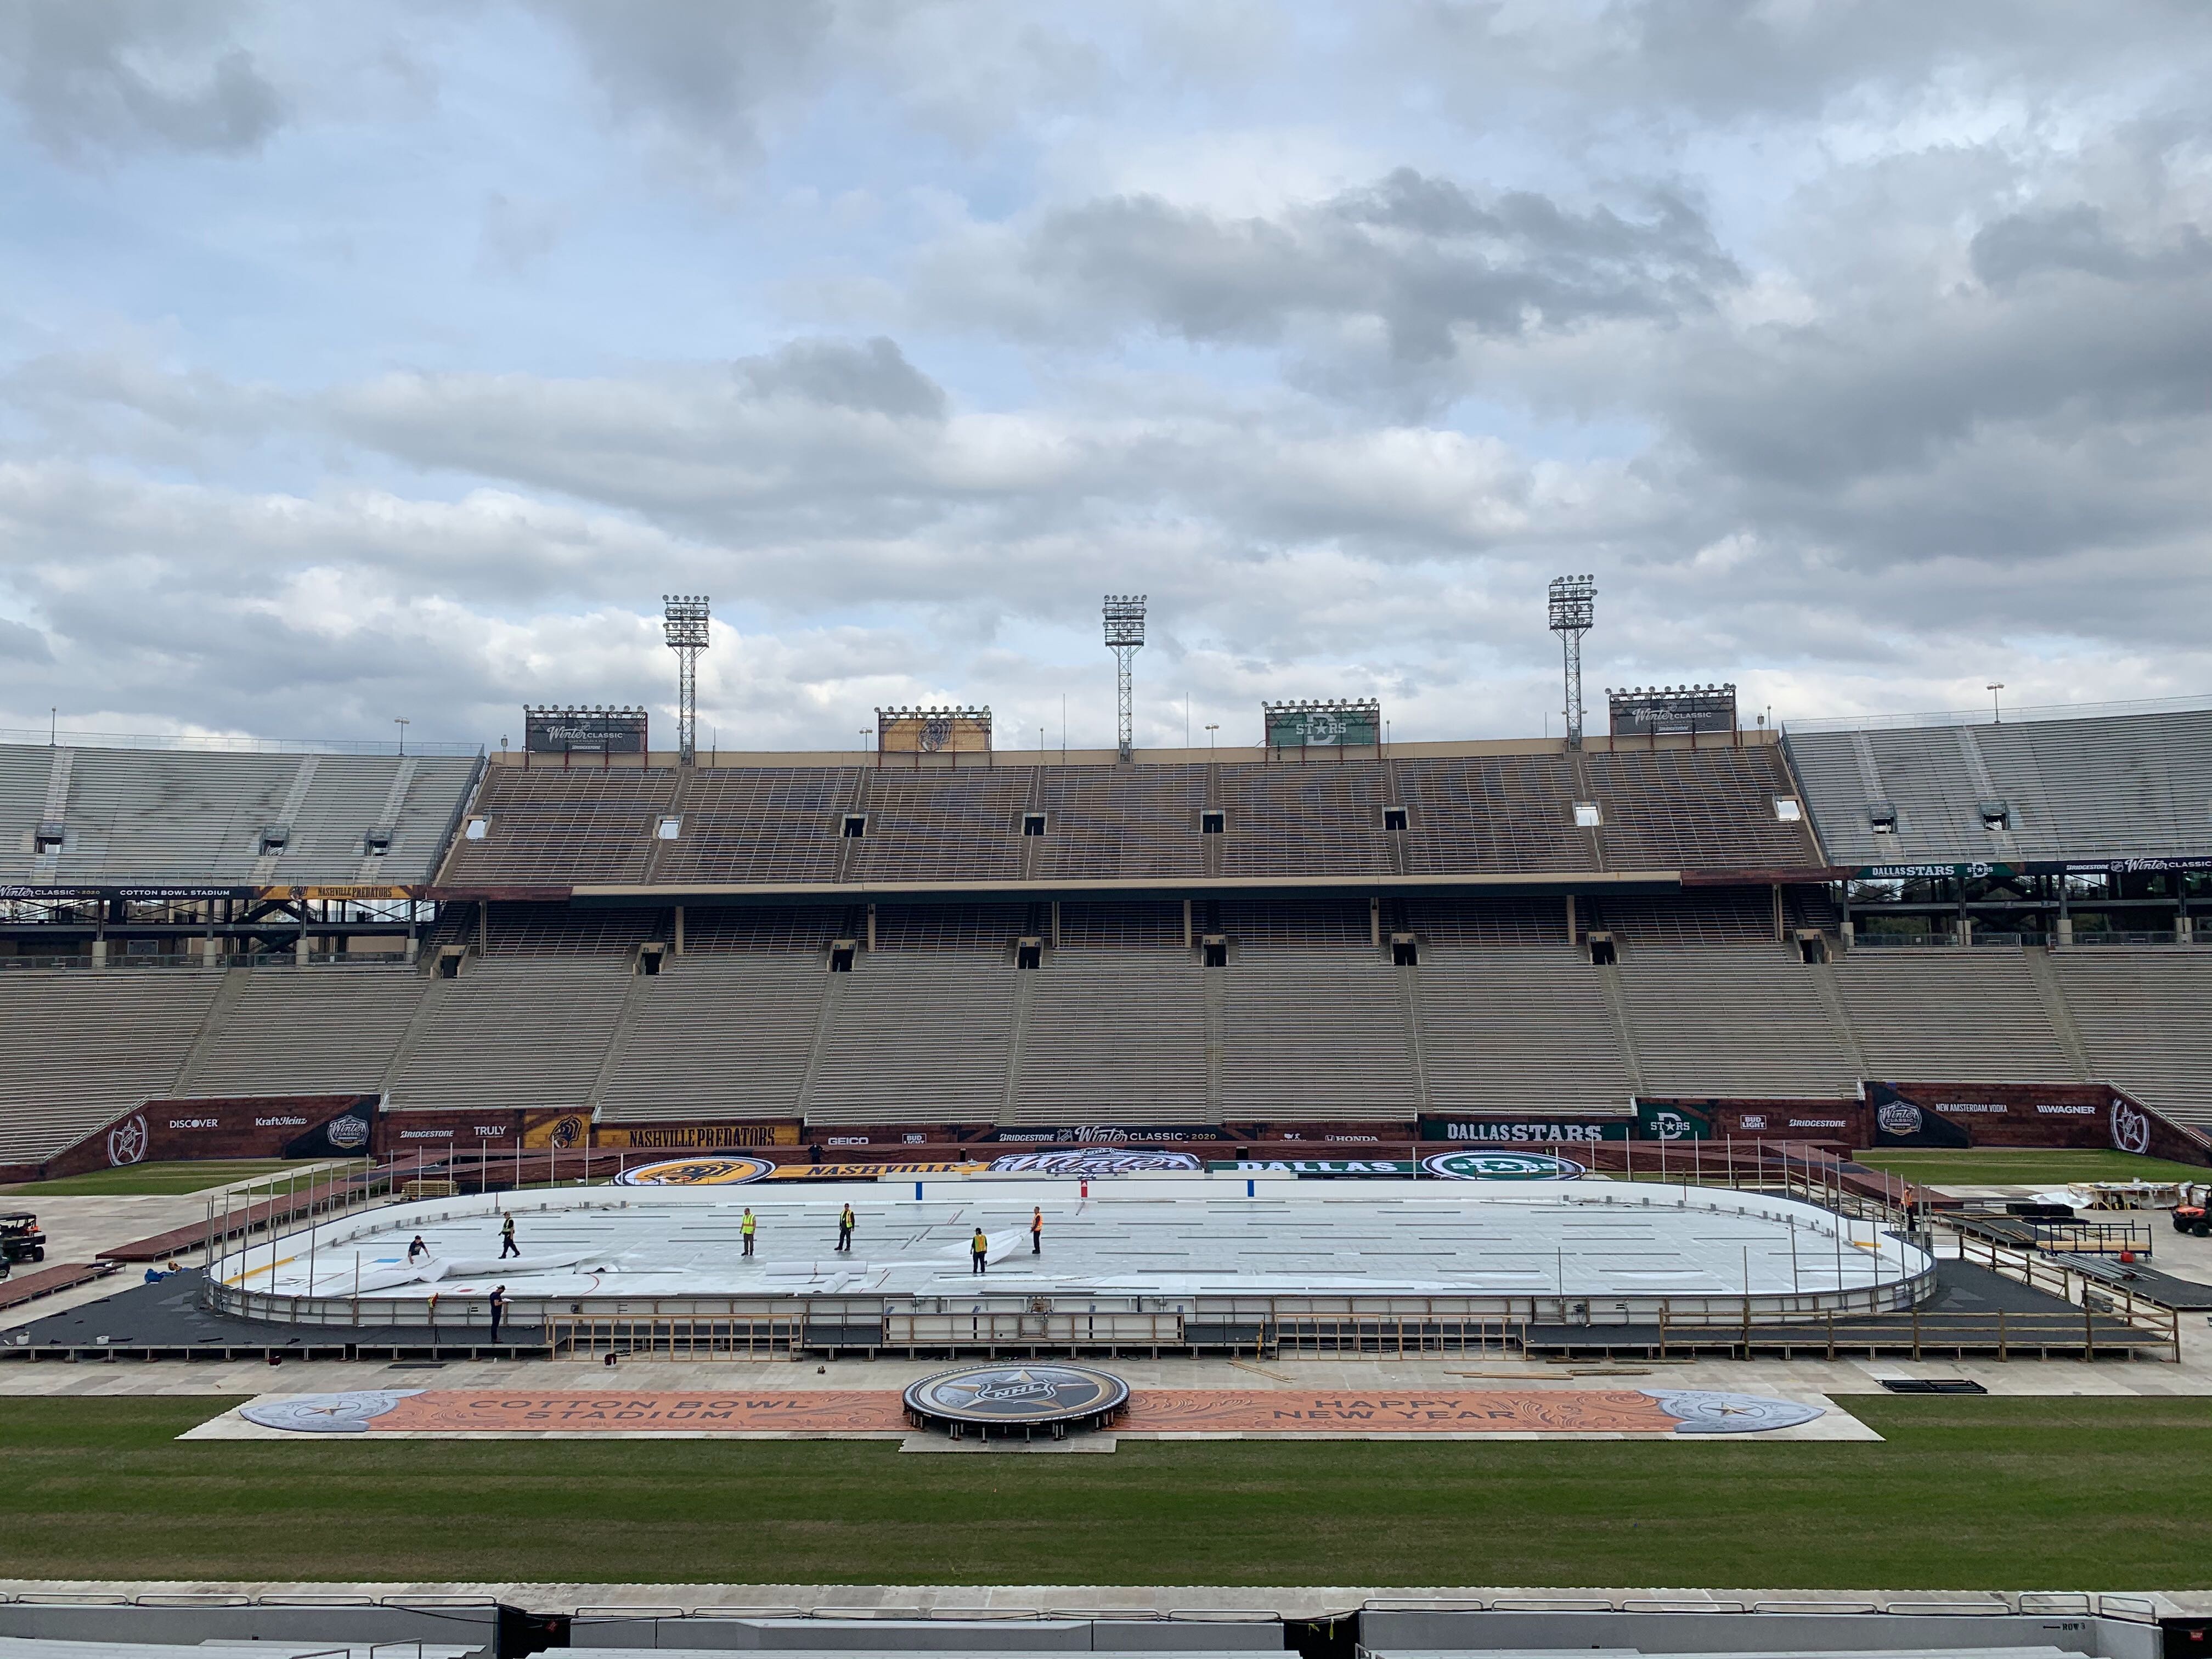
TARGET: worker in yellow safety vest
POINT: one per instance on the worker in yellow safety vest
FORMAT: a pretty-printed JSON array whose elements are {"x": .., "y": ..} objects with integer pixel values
[
  {"x": 845, "y": 1229},
  {"x": 979, "y": 1250},
  {"x": 746, "y": 1228}
]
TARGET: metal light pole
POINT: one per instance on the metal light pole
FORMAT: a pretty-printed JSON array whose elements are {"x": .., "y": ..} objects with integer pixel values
[
  {"x": 1124, "y": 614},
  {"x": 403, "y": 723},
  {"x": 1573, "y": 609},
  {"x": 684, "y": 619},
  {"x": 1996, "y": 714}
]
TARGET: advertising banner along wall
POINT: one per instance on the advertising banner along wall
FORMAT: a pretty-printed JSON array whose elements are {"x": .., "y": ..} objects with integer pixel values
[{"x": 167, "y": 1131}]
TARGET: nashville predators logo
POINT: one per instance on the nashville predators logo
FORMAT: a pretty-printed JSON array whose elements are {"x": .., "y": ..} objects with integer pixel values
[{"x": 697, "y": 1172}]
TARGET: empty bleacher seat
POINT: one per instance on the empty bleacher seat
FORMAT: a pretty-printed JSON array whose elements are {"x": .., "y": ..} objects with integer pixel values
[
  {"x": 1731, "y": 1020},
  {"x": 81, "y": 1047},
  {"x": 1969, "y": 1016}
]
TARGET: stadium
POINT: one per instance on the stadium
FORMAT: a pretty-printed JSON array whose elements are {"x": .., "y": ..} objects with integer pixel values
[{"x": 1056, "y": 1100}]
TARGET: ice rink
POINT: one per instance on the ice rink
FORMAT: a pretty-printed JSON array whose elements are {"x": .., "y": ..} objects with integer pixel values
[{"x": 1193, "y": 1236}]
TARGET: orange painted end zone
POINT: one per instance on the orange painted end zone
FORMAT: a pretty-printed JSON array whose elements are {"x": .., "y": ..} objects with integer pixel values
[{"x": 1151, "y": 1410}]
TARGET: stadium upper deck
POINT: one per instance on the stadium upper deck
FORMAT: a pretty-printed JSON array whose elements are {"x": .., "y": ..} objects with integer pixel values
[
  {"x": 1488, "y": 815},
  {"x": 73, "y": 816},
  {"x": 2119, "y": 786}
]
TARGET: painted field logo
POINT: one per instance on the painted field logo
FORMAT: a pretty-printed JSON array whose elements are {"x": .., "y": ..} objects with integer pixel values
[
  {"x": 1501, "y": 1166},
  {"x": 695, "y": 1172},
  {"x": 1018, "y": 1395}
]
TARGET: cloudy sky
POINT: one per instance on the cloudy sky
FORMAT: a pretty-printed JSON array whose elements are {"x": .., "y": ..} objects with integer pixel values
[{"x": 368, "y": 361}]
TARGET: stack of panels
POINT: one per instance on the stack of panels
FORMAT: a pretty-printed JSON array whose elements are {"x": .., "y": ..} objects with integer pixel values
[
  {"x": 82, "y": 1045},
  {"x": 718, "y": 1037},
  {"x": 1732, "y": 1020},
  {"x": 1315, "y": 1036},
  {"x": 1970, "y": 1016},
  {"x": 317, "y": 1031},
  {"x": 2146, "y": 1020},
  {"x": 1113, "y": 1039},
  {"x": 515, "y": 1034},
  {"x": 915, "y": 1039},
  {"x": 1524, "y": 1031}
]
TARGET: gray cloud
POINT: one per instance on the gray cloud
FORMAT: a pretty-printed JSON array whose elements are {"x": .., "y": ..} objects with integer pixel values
[
  {"x": 701, "y": 70},
  {"x": 871, "y": 376},
  {"x": 1720, "y": 60},
  {"x": 1422, "y": 258},
  {"x": 2082, "y": 239},
  {"x": 128, "y": 74}
]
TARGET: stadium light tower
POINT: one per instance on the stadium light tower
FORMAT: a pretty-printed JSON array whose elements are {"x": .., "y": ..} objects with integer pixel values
[
  {"x": 1574, "y": 608},
  {"x": 1125, "y": 637},
  {"x": 684, "y": 624}
]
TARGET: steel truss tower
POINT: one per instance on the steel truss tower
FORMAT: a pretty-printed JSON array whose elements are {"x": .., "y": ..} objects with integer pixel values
[
  {"x": 1574, "y": 608},
  {"x": 1125, "y": 637},
  {"x": 684, "y": 624}
]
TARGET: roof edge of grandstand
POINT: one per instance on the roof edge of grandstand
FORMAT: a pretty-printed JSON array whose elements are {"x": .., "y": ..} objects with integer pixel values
[
  {"x": 1534, "y": 884},
  {"x": 1240, "y": 755},
  {"x": 198, "y": 743},
  {"x": 2022, "y": 715}
]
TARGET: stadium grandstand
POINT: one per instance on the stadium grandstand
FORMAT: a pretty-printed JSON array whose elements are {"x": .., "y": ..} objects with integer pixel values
[{"x": 1183, "y": 937}]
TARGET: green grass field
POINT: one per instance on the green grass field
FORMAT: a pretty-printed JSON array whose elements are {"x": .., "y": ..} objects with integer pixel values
[
  {"x": 2076, "y": 1493},
  {"x": 182, "y": 1177},
  {"x": 1999, "y": 1166}
]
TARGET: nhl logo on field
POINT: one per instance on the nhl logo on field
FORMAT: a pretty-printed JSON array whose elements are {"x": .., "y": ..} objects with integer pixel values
[
  {"x": 1898, "y": 1117},
  {"x": 1016, "y": 1397}
]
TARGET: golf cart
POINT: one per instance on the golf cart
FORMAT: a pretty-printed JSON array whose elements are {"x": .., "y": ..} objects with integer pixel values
[{"x": 21, "y": 1240}]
